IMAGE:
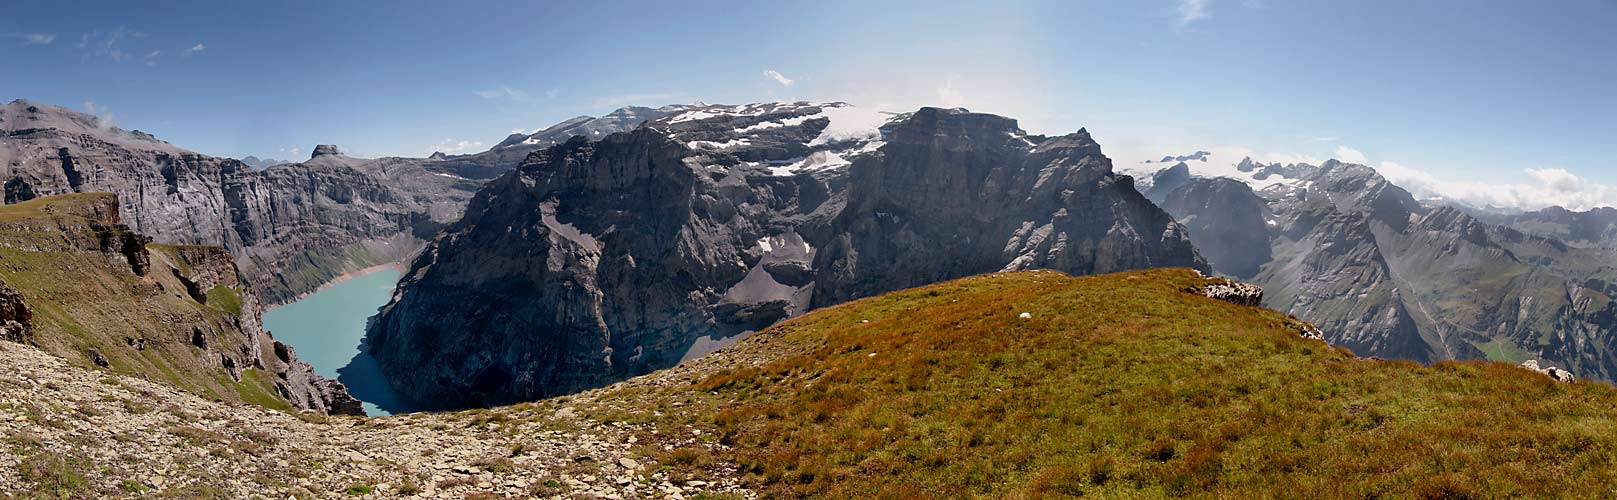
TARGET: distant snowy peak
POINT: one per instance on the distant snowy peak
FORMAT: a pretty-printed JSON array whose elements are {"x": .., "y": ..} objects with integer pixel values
[
  {"x": 778, "y": 138},
  {"x": 1280, "y": 177},
  {"x": 594, "y": 128}
]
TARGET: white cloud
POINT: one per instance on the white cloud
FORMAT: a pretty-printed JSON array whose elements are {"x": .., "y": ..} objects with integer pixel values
[
  {"x": 951, "y": 97},
  {"x": 451, "y": 146},
  {"x": 33, "y": 38},
  {"x": 1556, "y": 178},
  {"x": 104, "y": 118},
  {"x": 618, "y": 101},
  {"x": 503, "y": 93},
  {"x": 777, "y": 77},
  {"x": 151, "y": 58},
  {"x": 195, "y": 49},
  {"x": 1539, "y": 188},
  {"x": 1189, "y": 11},
  {"x": 1351, "y": 155},
  {"x": 107, "y": 44}
]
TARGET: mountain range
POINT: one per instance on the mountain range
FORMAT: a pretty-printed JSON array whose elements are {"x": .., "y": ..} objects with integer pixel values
[
  {"x": 1387, "y": 275},
  {"x": 741, "y": 216},
  {"x": 665, "y": 242}
]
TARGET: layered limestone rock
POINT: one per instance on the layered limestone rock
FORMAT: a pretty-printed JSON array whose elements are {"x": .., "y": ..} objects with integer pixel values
[
  {"x": 596, "y": 261},
  {"x": 291, "y": 227}
]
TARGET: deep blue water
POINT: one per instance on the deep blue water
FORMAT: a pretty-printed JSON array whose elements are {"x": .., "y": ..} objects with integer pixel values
[{"x": 326, "y": 328}]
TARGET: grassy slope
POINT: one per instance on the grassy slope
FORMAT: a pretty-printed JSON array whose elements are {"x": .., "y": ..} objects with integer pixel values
[
  {"x": 81, "y": 300},
  {"x": 1121, "y": 386}
]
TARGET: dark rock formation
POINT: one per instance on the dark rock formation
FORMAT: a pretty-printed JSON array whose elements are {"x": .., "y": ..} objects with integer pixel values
[
  {"x": 596, "y": 261},
  {"x": 16, "y": 320}
]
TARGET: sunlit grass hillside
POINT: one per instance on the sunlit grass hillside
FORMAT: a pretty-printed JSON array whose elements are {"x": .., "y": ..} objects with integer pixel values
[{"x": 1120, "y": 385}]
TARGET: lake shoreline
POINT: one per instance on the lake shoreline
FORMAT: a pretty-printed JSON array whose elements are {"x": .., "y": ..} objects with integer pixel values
[{"x": 398, "y": 266}]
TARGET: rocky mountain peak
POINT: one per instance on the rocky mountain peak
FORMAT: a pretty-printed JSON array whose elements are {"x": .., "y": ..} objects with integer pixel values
[{"x": 325, "y": 150}]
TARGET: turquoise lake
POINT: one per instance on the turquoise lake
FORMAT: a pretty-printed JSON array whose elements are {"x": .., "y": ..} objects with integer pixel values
[{"x": 325, "y": 329}]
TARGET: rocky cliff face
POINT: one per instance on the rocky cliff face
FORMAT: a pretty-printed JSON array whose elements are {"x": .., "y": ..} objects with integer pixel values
[
  {"x": 596, "y": 261},
  {"x": 80, "y": 284},
  {"x": 1387, "y": 276},
  {"x": 291, "y": 227}
]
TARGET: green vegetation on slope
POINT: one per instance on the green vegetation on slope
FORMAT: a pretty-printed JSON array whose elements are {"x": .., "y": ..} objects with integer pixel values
[
  {"x": 1123, "y": 386},
  {"x": 85, "y": 299}
]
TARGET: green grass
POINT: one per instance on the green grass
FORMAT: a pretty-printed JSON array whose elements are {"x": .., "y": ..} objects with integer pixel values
[
  {"x": 83, "y": 299},
  {"x": 52, "y": 475},
  {"x": 256, "y": 388},
  {"x": 1124, "y": 386},
  {"x": 225, "y": 299}
]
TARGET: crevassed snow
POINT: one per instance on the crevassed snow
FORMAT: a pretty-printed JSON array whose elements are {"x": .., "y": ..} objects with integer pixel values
[
  {"x": 789, "y": 122},
  {"x": 849, "y": 123},
  {"x": 717, "y": 145}
]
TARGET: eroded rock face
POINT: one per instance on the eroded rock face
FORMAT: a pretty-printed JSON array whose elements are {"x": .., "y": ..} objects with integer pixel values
[{"x": 596, "y": 261}]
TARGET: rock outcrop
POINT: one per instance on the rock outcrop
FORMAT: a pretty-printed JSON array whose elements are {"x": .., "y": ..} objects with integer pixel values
[
  {"x": 1552, "y": 372},
  {"x": 82, "y": 285},
  {"x": 16, "y": 320},
  {"x": 597, "y": 261},
  {"x": 1235, "y": 292}
]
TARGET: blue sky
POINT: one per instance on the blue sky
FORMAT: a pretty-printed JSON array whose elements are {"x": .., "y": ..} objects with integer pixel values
[{"x": 1500, "y": 102}]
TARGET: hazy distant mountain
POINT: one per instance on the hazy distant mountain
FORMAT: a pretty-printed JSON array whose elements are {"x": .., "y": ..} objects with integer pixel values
[
  {"x": 261, "y": 163},
  {"x": 1387, "y": 275},
  {"x": 597, "y": 261}
]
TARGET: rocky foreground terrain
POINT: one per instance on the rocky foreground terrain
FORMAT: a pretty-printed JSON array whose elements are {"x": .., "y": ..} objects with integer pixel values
[
  {"x": 76, "y": 433},
  {"x": 600, "y": 260},
  {"x": 1023, "y": 385}
]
